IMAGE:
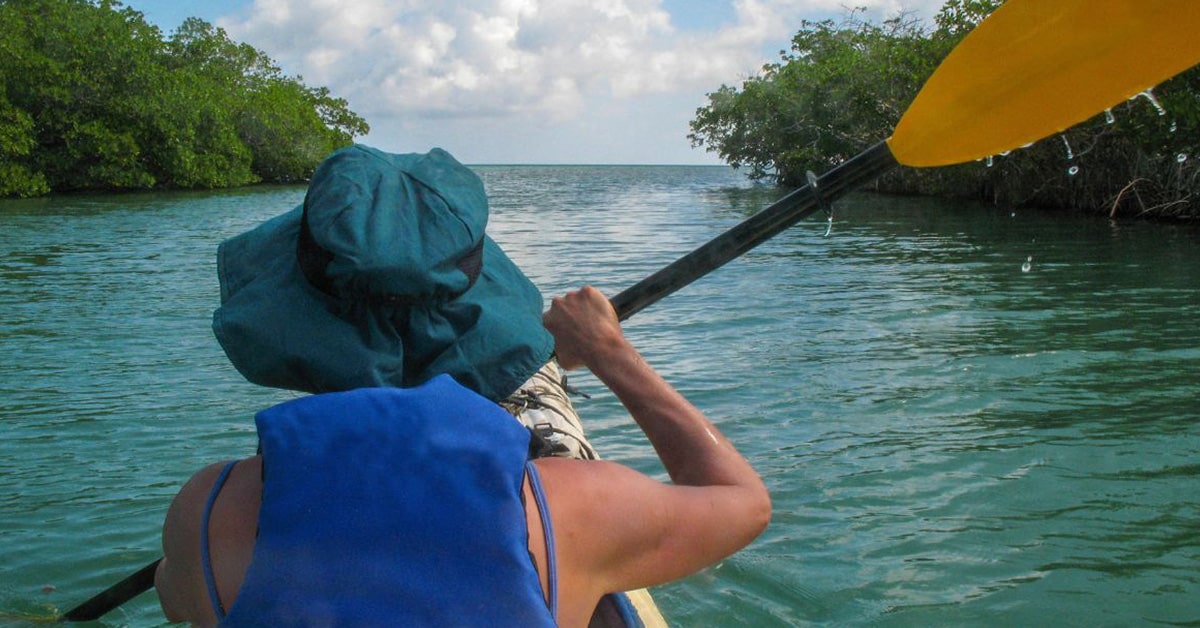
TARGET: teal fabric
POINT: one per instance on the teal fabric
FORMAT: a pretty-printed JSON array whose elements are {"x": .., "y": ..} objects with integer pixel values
[{"x": 399, "y": 310}]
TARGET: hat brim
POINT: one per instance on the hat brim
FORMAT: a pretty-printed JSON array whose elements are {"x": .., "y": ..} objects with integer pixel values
[{"x": 280, "y": 331}]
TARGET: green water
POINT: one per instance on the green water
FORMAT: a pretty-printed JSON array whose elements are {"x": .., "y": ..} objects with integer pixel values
[{"x": 949, "y": 439}]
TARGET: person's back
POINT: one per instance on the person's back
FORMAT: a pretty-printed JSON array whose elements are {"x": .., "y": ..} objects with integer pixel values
[{"x": 607, "y": 528}]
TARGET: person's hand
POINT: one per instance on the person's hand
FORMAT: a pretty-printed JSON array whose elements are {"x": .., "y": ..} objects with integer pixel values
[{"x": 584, "y": 325}]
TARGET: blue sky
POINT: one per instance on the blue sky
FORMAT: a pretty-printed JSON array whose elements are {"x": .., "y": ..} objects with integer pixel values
[{"x": 523, "y": 81}]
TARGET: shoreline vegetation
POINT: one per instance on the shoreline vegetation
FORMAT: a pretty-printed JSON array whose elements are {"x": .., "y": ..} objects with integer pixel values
[
  {"x": 94, "y": 98},
  {"x": 843, "y": 86}
]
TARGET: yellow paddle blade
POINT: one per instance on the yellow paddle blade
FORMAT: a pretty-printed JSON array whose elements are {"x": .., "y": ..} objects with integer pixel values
[{"x": 1036, "y": 67}]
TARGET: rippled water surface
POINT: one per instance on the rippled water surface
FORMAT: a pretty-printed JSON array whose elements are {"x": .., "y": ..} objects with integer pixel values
[{"x": 949, "y": 439}]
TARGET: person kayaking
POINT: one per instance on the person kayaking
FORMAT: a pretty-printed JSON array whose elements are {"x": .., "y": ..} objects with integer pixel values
[
  {"x": 421, "y": 507},
  {"x": 385, "y": 276},
  {"x": 400, "y": 493}
]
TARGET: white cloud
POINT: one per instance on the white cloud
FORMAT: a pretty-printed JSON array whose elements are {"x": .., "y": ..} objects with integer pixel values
[
  {"x": 482, "y": 57},
  {"x": 540, "y": 61}
]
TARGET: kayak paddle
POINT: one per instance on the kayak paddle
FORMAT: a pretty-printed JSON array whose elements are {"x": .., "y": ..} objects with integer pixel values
[
  {"x": 132, "y": 586},
  {"x": 1031, "y": 69}
]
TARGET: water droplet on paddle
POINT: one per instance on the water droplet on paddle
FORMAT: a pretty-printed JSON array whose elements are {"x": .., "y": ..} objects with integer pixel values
[
  {"x": 1005, "y": 153},
  {"x": 1149, "y": 95},
  {"x": 1028, "y": 265},
  {"x": 1109, "y": 117},
  {"x": 1073, "y": 170}
]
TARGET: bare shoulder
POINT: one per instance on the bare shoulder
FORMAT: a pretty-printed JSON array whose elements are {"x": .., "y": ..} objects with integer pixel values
[
  {"x": 181, "y": 529},
  {"x": 195, "y": 491},
  {"x": 178, "y": 580}
]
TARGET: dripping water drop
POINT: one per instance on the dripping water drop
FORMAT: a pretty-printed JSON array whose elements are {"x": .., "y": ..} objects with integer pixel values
[
  {"x": 1149, "y": 95},
  {"x": 1070, "y": 153},
  {"x": 1109, "y": 117},
  {"x": 1181, "y": 157},
  {"x": 1028, "y": 265},
  {"x": 1073, "y": 170}
]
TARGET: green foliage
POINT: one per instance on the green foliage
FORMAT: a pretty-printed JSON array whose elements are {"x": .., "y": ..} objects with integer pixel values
[
  {"x": 956, "y": 18},
  {"x": 16, "y": 142},
  {"x": 287, "y": 127},
  {"x": 843, "y": 87},
  {"x": 840, "y": 88},
  {"x": 93, "y": 97}
]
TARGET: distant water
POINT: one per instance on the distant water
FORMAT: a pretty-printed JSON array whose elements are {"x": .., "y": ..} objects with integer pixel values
[{"x": 949, "y": 439}]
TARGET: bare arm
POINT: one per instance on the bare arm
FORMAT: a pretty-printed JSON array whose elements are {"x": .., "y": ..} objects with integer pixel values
[{"x": 652, "y": 532}]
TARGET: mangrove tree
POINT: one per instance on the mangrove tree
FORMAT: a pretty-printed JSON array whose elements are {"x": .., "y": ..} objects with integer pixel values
[
  {"x": 92, "y": 97},
  {"x": 844, "y": 85}
]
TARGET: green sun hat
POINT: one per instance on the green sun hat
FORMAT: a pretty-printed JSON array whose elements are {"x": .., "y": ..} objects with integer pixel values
[{"x": 382, "y": 277}]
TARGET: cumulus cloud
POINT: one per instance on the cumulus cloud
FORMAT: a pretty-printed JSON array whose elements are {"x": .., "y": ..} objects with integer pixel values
[{"x": 489, "y": 58}]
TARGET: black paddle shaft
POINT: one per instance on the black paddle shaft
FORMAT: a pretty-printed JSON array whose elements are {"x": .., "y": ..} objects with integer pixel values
[
  {"x": 755, "y": 230},
  {"x": 136, "y": 584}
]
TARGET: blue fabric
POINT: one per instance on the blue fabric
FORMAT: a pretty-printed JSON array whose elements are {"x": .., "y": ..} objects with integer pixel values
[
  {"x": 210, "y": 582},
  {"x": 414, "y": 286},
  {"x": 392, "y": 507},
  {"x": 539, "y": 498}
]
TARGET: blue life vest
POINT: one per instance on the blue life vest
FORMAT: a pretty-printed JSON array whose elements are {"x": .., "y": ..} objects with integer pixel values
[{"x": 392, "y": 507}]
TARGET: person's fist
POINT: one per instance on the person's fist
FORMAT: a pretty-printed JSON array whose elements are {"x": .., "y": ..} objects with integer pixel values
[{"x": 583, "y": 324}]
